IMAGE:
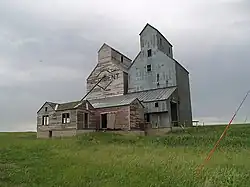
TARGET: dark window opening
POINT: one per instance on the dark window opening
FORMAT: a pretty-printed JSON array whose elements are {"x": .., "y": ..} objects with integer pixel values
[
  {"x": 174, "y": 113},
  {"x": 156, "y": 104},
  {"x": 65, "y": 118},
  {"x": 121, "y": 58},
  {"x": 104, "y": 121},
  {"x": 148, "y": 68},
  {"x": 158, "y": 77},
  {"x": 46, "y": 109},
  {"x": 50, "y": 134},
  {"x": 160, "y": 42},
  {"x": 45, "y": 120},
  {"x": 86, "y": 120},
  {"x": 149, "y": 53}
]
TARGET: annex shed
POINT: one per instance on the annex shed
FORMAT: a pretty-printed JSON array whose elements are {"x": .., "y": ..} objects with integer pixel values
[
  {"x": 119, "y": 114},
  {"x": 65, "y": 119}
]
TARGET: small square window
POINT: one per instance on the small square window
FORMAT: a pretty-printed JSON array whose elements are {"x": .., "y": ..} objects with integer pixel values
[
  {"x": 156, "y": 104},
  {"x": 148, "y": 68},
  {"x": 121, "y": 58},
  {"x": 149, "y": 53},
  {"x": 46, "y": 109}
]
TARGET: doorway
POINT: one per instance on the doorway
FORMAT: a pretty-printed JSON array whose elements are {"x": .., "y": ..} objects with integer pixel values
[
  {"x": 50, "y": 134},
  {"x": 86, "y": 120},
  {"x": 147, "y": 117},
  {"x": 174, "y": 113},
  {"x": 104, "y": 121}
]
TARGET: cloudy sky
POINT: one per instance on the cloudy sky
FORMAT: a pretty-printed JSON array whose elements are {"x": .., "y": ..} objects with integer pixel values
[{"x": 48, "y": 48}]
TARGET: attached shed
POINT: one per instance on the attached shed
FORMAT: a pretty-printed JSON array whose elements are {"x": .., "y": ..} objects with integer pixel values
[
  {"x": 158, "y": 108},
  {"x": 64, "y": 119},
  {"x": 126, "y": 114}
]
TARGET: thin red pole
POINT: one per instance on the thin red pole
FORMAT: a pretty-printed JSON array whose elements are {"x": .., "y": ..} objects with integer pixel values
[{"x": 223, "y": 134}]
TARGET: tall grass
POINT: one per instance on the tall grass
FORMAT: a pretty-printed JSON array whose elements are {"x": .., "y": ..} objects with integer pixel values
[{"x": 108, "y": 160}]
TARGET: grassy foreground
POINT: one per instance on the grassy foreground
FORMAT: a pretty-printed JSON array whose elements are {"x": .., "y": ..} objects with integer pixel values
[{"x": 109, "y": 160}]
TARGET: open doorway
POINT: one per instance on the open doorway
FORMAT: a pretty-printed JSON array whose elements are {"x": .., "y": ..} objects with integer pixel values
[
  {"x": 104, "y": 121},
  {"x": 86, "y": 120},
  {"x": 174, "y": 113},
  {"x": 147, "y": 117}
]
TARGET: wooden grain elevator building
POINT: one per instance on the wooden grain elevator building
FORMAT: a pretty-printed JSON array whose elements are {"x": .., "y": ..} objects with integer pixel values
[{"x": 125, "y": 94}]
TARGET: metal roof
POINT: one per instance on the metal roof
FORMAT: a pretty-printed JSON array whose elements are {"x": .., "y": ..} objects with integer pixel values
[
  {"x": 111, "y": 102},
  {"x": 143, "y": 96},
  {"x": 153, "y": 95}
]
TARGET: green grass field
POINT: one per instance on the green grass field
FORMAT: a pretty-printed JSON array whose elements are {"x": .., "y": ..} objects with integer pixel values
[{"x": 108, "y": 160}]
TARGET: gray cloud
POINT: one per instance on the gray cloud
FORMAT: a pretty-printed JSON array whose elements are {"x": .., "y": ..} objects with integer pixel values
[{"x": 47, "y": 50}]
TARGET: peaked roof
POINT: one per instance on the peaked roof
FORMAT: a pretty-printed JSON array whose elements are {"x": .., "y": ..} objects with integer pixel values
[
  {"x": 113, "y": 50},
  {"x": 65, "y": 106},
  {"x": 148, "y": 25},
  {"x": 53, "y": 105}
]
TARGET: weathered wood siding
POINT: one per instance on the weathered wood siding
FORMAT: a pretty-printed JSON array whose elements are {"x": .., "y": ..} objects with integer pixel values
[
  {"x": 55, "y": 121},
  {"x": 109, "y": 64},
  {"x": 184, "y": 96},
  {"x": 151, "y": 107},
  {"x": 120, "y": 58},
  {"x": 159, "y": 120},
  {"x": 81, "y": 119},
  {"x": 121, "y": 117},
  {"x": 136, "y": 115}
]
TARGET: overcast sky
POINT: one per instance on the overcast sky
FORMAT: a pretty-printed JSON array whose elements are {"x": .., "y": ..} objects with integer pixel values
[{"x": 49, "y": 47}]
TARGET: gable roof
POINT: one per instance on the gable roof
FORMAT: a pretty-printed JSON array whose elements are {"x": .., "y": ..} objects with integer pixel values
[
  {"x": 148, "y": 25},
  {"x": 113, "y": 50},
  {"x": 53, "y": 105},
  {"x": 143, "y": 96},
  {"x": 125, "y": 69},
  {"x": 65, "y": 106}
]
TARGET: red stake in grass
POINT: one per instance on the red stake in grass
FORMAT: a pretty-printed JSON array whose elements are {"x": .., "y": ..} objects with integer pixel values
[{"x": 223, "y": 134}]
